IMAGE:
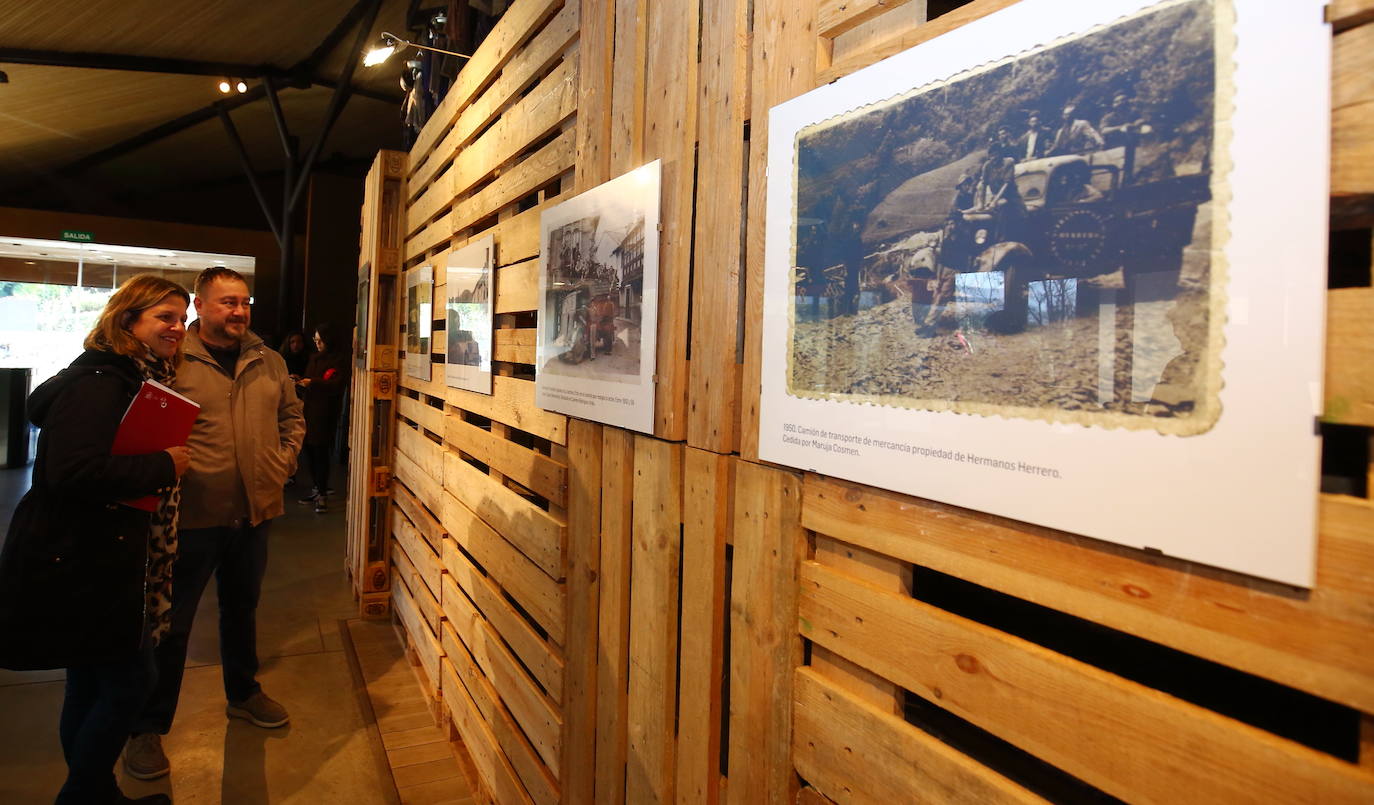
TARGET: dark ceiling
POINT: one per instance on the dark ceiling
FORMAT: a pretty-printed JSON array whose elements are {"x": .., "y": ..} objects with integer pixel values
[{"x": 114, "y": 107}]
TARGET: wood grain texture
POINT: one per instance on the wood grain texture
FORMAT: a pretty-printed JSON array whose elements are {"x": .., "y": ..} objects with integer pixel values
[
  {"x": 613, "y": 641},
  {"x": 782, "y": 66},
  {"x": 494, "y": 768},
  {"x": 654, "y": 564},
  {"x": 707, "y": 521},
  {"x": 834, "y": 727},
  {"x": 859, "y": 58},
  {"x": 1128, "y": 740},
  {"x": 1349, "y": 13},
  {"x": 670, "y": 134},
  {"x": 538, "y": 534},
  {"x": 532, "y": 469},
  {"x": 537, "y": 780},
  {"x": 1315, "y": 642},
  {"x": 544, "y": 661},
  {"x": 627, "y": 85},
  {"x": 1352, "y": 118},
  {"x": 713, "y": 396},
  {"x": 583, "y": 586},
  {"x": 834, "y": 17},
  {"x": 540, "y": 596},
  {"x": 595, "y": 70},
  {"x": 428, "y": 566},
  {"x": 1349, "y": 386},
  {"x": 764, "y": 645},
  {"x": 512, "y": 403},
  {"x": 523, "y": 179},
  {"x": 424, "y": 642}
]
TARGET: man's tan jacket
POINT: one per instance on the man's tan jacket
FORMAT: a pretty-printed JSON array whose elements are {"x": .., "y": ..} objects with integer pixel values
[{"x": 246, "y": 437}]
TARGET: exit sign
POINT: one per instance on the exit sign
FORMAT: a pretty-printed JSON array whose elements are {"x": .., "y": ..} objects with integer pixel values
[{"x": 84, "y": 237}]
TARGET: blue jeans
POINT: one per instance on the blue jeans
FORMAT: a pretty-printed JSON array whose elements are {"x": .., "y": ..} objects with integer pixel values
[
  {"x": 101, "y": 702},
  {"x": 237, "y": 557}
]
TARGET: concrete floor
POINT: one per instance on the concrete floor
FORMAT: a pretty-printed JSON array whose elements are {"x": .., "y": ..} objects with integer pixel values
[{"x": 330, "y": 753}]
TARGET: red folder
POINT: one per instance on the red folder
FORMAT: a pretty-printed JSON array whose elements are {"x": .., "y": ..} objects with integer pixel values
[{"x": 158, "y": 418}]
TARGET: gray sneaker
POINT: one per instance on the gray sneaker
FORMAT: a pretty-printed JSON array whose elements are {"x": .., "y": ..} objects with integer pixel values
[
  {"x": 260, "y": 709},
  {"x": 143, "y": 757}
]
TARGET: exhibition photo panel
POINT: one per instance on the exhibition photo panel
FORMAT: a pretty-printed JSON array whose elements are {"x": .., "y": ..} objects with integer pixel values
[
  {"x": 468, "y": 316},
  {"x": 1036, "y": 267},
  {"x": 419, "y": 321}
]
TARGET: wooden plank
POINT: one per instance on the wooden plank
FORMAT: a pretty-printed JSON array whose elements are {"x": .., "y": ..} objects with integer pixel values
[
  {"x": 434, "y": 198},
  {"x": 428, "y": 567},
  {"x": 424, "y": 521},
  {"x": 713, "y": 412},
  {"x": 1128, "y": 740},
  {"x": 1349, "y": 13},
  {"x": 537, "y": 594},
  {"x": 583, "y": 586},
  {"x": 434, "y": 387},
  {"x": 421, "y": 638},
  {"x": 1352, "y": 123},
  {"x": 535, "y": 777},
  {"x": 613, "y": 641},
  {"x": 1316, "y": 642},
  {"x": 533, "y": 61},
  {"x": 542, "y": 659},
  {"x": 537, "y": 533},
  {"x": 532, "y": 469},
  {"x": 836, "y": 729},
  {"x": 1349, "y": 386},
  {"x": 782, "y": 66},
  {"x": 512, "y": 403},
  {"x": 535, "y": 713},
  {"x": 501, "y": 44},
  {"x": 524, "y": 178},
  {"x": 654, "y": 562},
  {"x": 706, "y": 523},
  {"x": 426, "y": 416},
  {"x": 440, "y": 230},
  {"x": 857, "y": 59},
  {"x": 429, "y": 491},
  {"x": 427, "y": 455},
  {"x": 670, "y": 134},
  {"x": 425, "y": 603},
  {"x": 834, "y": 17},
  {"x": 542, "y": 111},
  {"x": 497, "y": 774},
  {"x": 878, "y": 570},
  {"x": 595, "y": 73},
  {"x": 517, "y": 288},
  {"x": 627, "y": 85},
  {"x": 514, "y": 345},
  {"x": 764, "y": 646}
]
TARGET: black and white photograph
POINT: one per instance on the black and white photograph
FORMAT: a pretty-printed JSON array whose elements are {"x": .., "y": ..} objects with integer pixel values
[
  {"x": 419, "y": 321},
  {"x": 1060, "y": 264},
  {"x": 468, "y": 302},
  {"x": 1034, "y": 239},
  {"x": 598, "y": 293}
]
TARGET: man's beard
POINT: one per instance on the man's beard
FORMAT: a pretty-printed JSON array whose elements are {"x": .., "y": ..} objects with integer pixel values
[{"x": 221, "y": 332}]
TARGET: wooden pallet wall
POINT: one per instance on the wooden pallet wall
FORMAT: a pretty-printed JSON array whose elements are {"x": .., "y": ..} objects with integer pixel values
[{"x": 610, "y": 617}]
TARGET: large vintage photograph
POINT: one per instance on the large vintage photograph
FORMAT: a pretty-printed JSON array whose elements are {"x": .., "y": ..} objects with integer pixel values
[
  {"x": 1039, "y": 238},
  {"x": 468, "y": 304},
  {"x": 419, "y": 321},
  {"x": 598, "y": 292}
]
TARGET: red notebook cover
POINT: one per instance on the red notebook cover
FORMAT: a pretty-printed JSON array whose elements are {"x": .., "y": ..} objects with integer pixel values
[{"x": 158, "y": 418}]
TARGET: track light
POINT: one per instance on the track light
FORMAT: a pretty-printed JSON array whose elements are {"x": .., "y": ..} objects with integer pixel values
[
  {"x": 224, "y": 87},
  {"x": 389, "y": 45},
  {"x": 242, "y": 87}
]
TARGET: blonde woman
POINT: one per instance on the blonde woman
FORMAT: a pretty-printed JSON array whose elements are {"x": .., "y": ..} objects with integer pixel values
[{"x": 85, "y": 583}]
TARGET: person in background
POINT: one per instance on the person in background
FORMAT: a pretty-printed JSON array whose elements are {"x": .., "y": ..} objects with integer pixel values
[
  {"x": 85, "y": 583},
  {"x": 325, "y": 384},
  {"x": 244, "y": 445},
  {"x": 295, "y": 350}
]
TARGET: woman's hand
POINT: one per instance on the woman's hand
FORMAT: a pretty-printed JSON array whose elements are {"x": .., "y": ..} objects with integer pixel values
[{"x": 181, "y": 458}]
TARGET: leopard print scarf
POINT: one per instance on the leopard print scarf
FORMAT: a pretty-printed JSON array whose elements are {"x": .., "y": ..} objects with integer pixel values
[{"x": 162, "y": 537}]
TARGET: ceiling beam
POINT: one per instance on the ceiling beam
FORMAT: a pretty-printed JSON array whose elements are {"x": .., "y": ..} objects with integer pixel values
[
  {"x": 141, "y": 64},
  {"x": 334, "y": 37}
]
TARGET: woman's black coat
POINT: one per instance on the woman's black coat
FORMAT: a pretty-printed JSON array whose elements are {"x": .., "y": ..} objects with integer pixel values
[
  {"x": 72, "y": 570},
  {"x": 324, "y": 396}
]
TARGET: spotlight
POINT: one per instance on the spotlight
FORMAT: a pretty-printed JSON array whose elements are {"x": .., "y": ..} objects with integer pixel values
[
  {"x": 389, "y": 45},
  {"x": 241, "y": 87},
  {"x": 224, "y": 87}
]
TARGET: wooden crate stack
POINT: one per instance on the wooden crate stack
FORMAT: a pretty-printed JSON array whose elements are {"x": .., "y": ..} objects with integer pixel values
[
  {"x": 612, "y": 617},
  {"x": 371, "y": 415}
]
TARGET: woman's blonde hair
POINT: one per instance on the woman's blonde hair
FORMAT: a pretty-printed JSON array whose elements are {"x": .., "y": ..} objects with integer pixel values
[{"x": 138, "y": 293}]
